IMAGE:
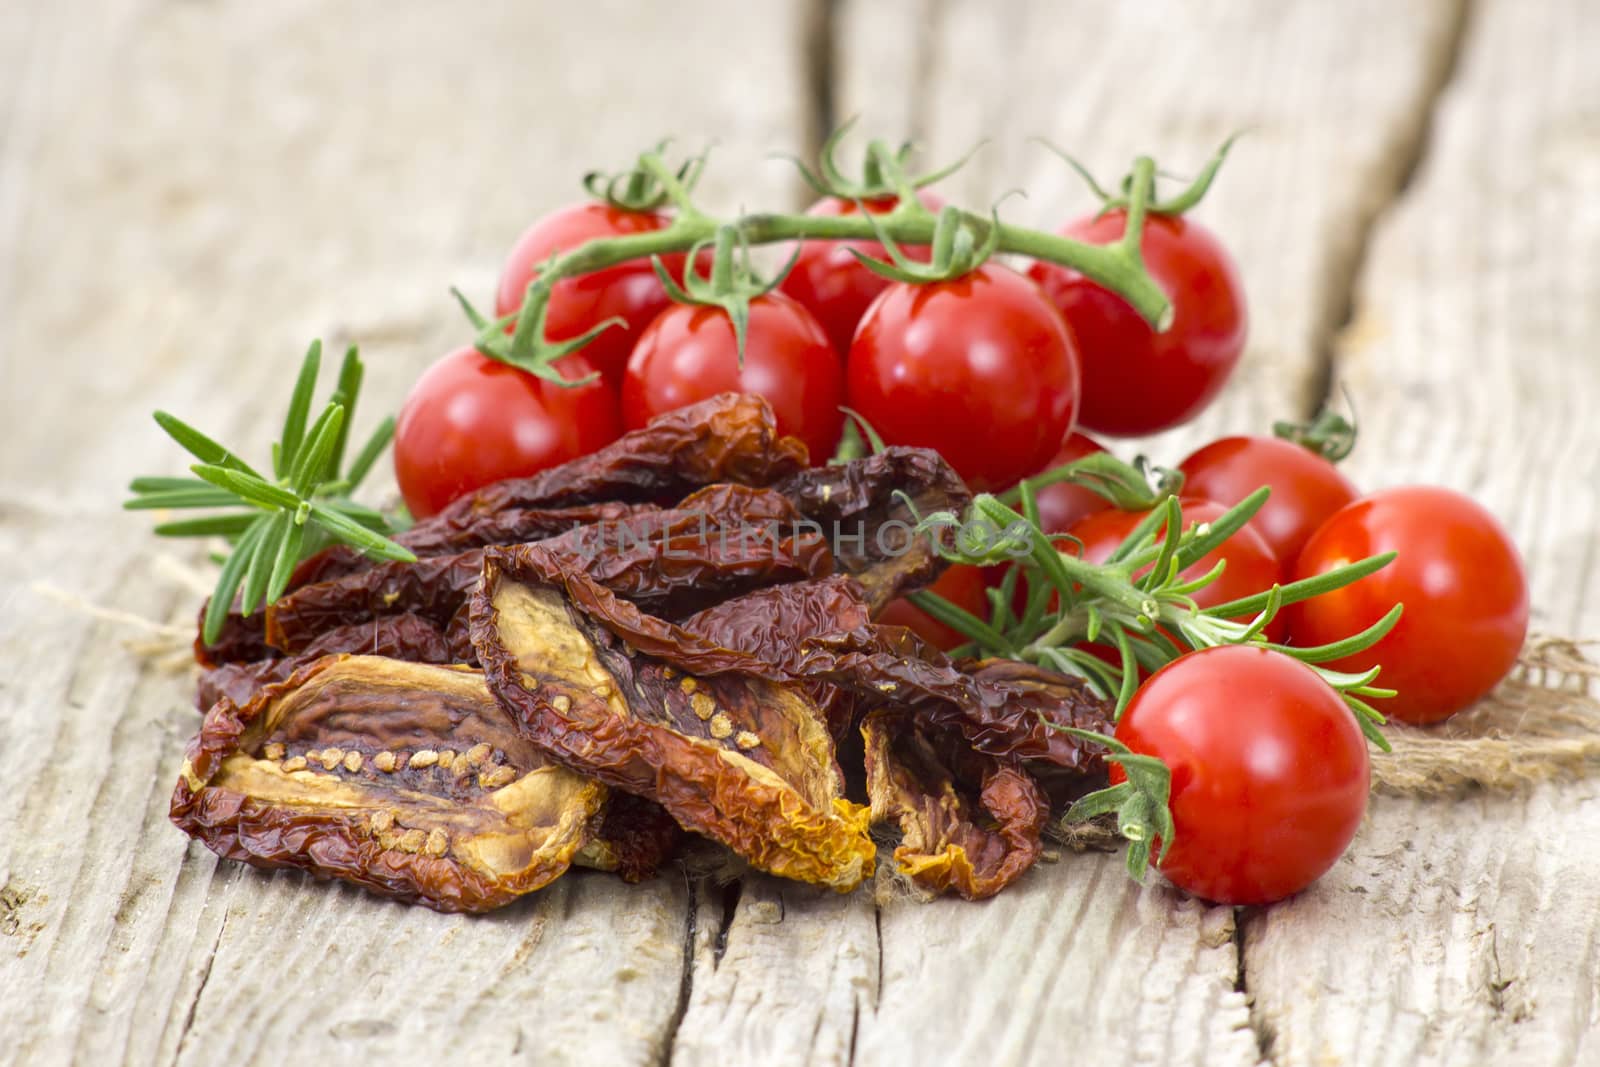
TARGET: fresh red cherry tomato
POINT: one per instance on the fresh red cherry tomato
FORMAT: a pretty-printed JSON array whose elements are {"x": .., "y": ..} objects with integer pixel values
[
  {"x": 1062, "y": 504},
  {"x": 831, "y": 283},
  {"x": 961, "y": 584},
  {"x": 628, "y": 290},
  {"x": 1251, "y": 566},
  {"x": 1135, "y": 380},
  {"x": 1459, "y": 577},
  {"x": 980, "y": 368},
  {"x": 1269, "y": 771},
  {"x": 1306, "y": 488},
  {"x": 690, "y": 353},
  {"x": 470, "y": 421}
]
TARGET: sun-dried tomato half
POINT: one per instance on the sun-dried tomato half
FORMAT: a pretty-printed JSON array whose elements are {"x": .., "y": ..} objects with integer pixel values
[
  {"x": 408, "y": 779},
  {"x": 970, "y": 822},
  {"x": 739, "y": 758}
]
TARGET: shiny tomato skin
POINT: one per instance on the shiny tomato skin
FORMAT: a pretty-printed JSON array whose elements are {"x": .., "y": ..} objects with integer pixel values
[
  {"x": 1270, "y": 772},
  {"x": 629, "y": 290},
  {"x": 470, "y": 421},
  {"x": 981, "y": 368},
  {"x": 1462, "y": 583},
  {"x": 1251, "y": 566},
  {"x": 690, "y": 353},
  {"x": 963, "y": 585},
  {"x": 1306, "y": 488},
  {"x": 831, "y": 283},
  {"x": 1062, "y": 504},
  {"x": 1135, "y": 380}
]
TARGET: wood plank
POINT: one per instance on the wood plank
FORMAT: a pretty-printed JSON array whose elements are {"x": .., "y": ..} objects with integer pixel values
[
  {"x": 188, "y": 194},
  {"x": 227, "y": 181},
  {"x": 1467, "y": 928}
]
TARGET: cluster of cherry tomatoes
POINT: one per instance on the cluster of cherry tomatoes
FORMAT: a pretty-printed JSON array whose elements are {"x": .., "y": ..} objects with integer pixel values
[
  {"x": 1000, "y": 371},
  {"x": 993, "y": 368}
]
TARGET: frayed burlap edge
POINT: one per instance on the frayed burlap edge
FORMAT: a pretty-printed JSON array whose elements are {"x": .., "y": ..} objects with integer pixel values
[{"x": 1541, "y": 723}]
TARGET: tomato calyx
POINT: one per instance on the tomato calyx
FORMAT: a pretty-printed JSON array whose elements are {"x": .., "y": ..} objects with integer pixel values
[
  {"x": 1329, "y": 434},
  {"x": 538, "y": 360},
  {"x": 638, "y": 188},
  {"x": 962, "y": 242},
  {"x": 730, "y": 283},
  {"x": 1191, "y": 195},
  {"x": 883, "y": 170}
]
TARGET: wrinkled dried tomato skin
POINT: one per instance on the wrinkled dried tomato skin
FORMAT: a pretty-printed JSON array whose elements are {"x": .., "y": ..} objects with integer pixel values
[
  {"x": 718, "y": 543},
  {"x": 729, "y": 438},
  {"x": 735, "y": 756},
  {"x": 971, "y": 823},
  {"x": 342, "y": 770},
  {"x": 861, "y": 507}
]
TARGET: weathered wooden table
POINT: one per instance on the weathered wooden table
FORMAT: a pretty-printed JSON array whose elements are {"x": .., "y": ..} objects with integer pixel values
[{"x": 191, "y": 191}]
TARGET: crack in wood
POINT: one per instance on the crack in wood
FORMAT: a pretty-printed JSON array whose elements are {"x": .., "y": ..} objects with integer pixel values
[
  {"x": 819, "y": 58},
  {"x": 1339, "y": 307},
  {"x": 1264, "y": 1033},
  {"x": 731, "y": 894},
  {"x": 194, "y": 1003},
  {"x": 691, "y": 930}
]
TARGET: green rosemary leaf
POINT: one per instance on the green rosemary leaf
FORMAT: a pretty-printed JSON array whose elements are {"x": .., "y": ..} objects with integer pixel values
[
  {"x": 1227, "y": 524},
  {"x": 160, "y": 485},
  {"x": 312, "y": 466},
  {"x": 287, "y": 559},
  {"x": 362, "y": 465},
  {"x": 199, "y": 445},
  {"x": 958, "y": 619},
  {"x": 259, "y": 571},
  {"x": 294, "y": 422},
  {"x": 1305, "y": 588},
  {"x": 202, "y": 497},
  {"x": 251, "y": 488},
  {"x": 210, "y": 526},
  {"x": 229, "y": 580},
  {"x": 345, "y": 394},
  {"x": 353, "y": 533}
]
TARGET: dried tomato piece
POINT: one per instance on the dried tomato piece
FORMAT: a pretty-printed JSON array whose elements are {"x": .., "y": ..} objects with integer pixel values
[
  {"x": 447, "y": 536},
  {"x": 408, "y": 779},
  {"x": 970, "y": 822},
  {"x": 409, "y": 637},
  {"x": 737, "y": 757},
  {"x": 815, "y": 634},
  {"x": 732, "y": 437},
  {"x": 720, "y": 542},
  {"x": 635, "y": 838},
  {"x": 868, "y": 508}
]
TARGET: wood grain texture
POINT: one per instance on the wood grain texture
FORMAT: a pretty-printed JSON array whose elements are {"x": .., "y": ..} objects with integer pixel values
[
  {"x": 188, "y": 194},
  {"x": 1467, "y": 929}
]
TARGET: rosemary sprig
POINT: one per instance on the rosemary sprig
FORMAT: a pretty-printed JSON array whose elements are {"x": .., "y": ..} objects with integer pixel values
[{"x": 272, "y": 524}]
